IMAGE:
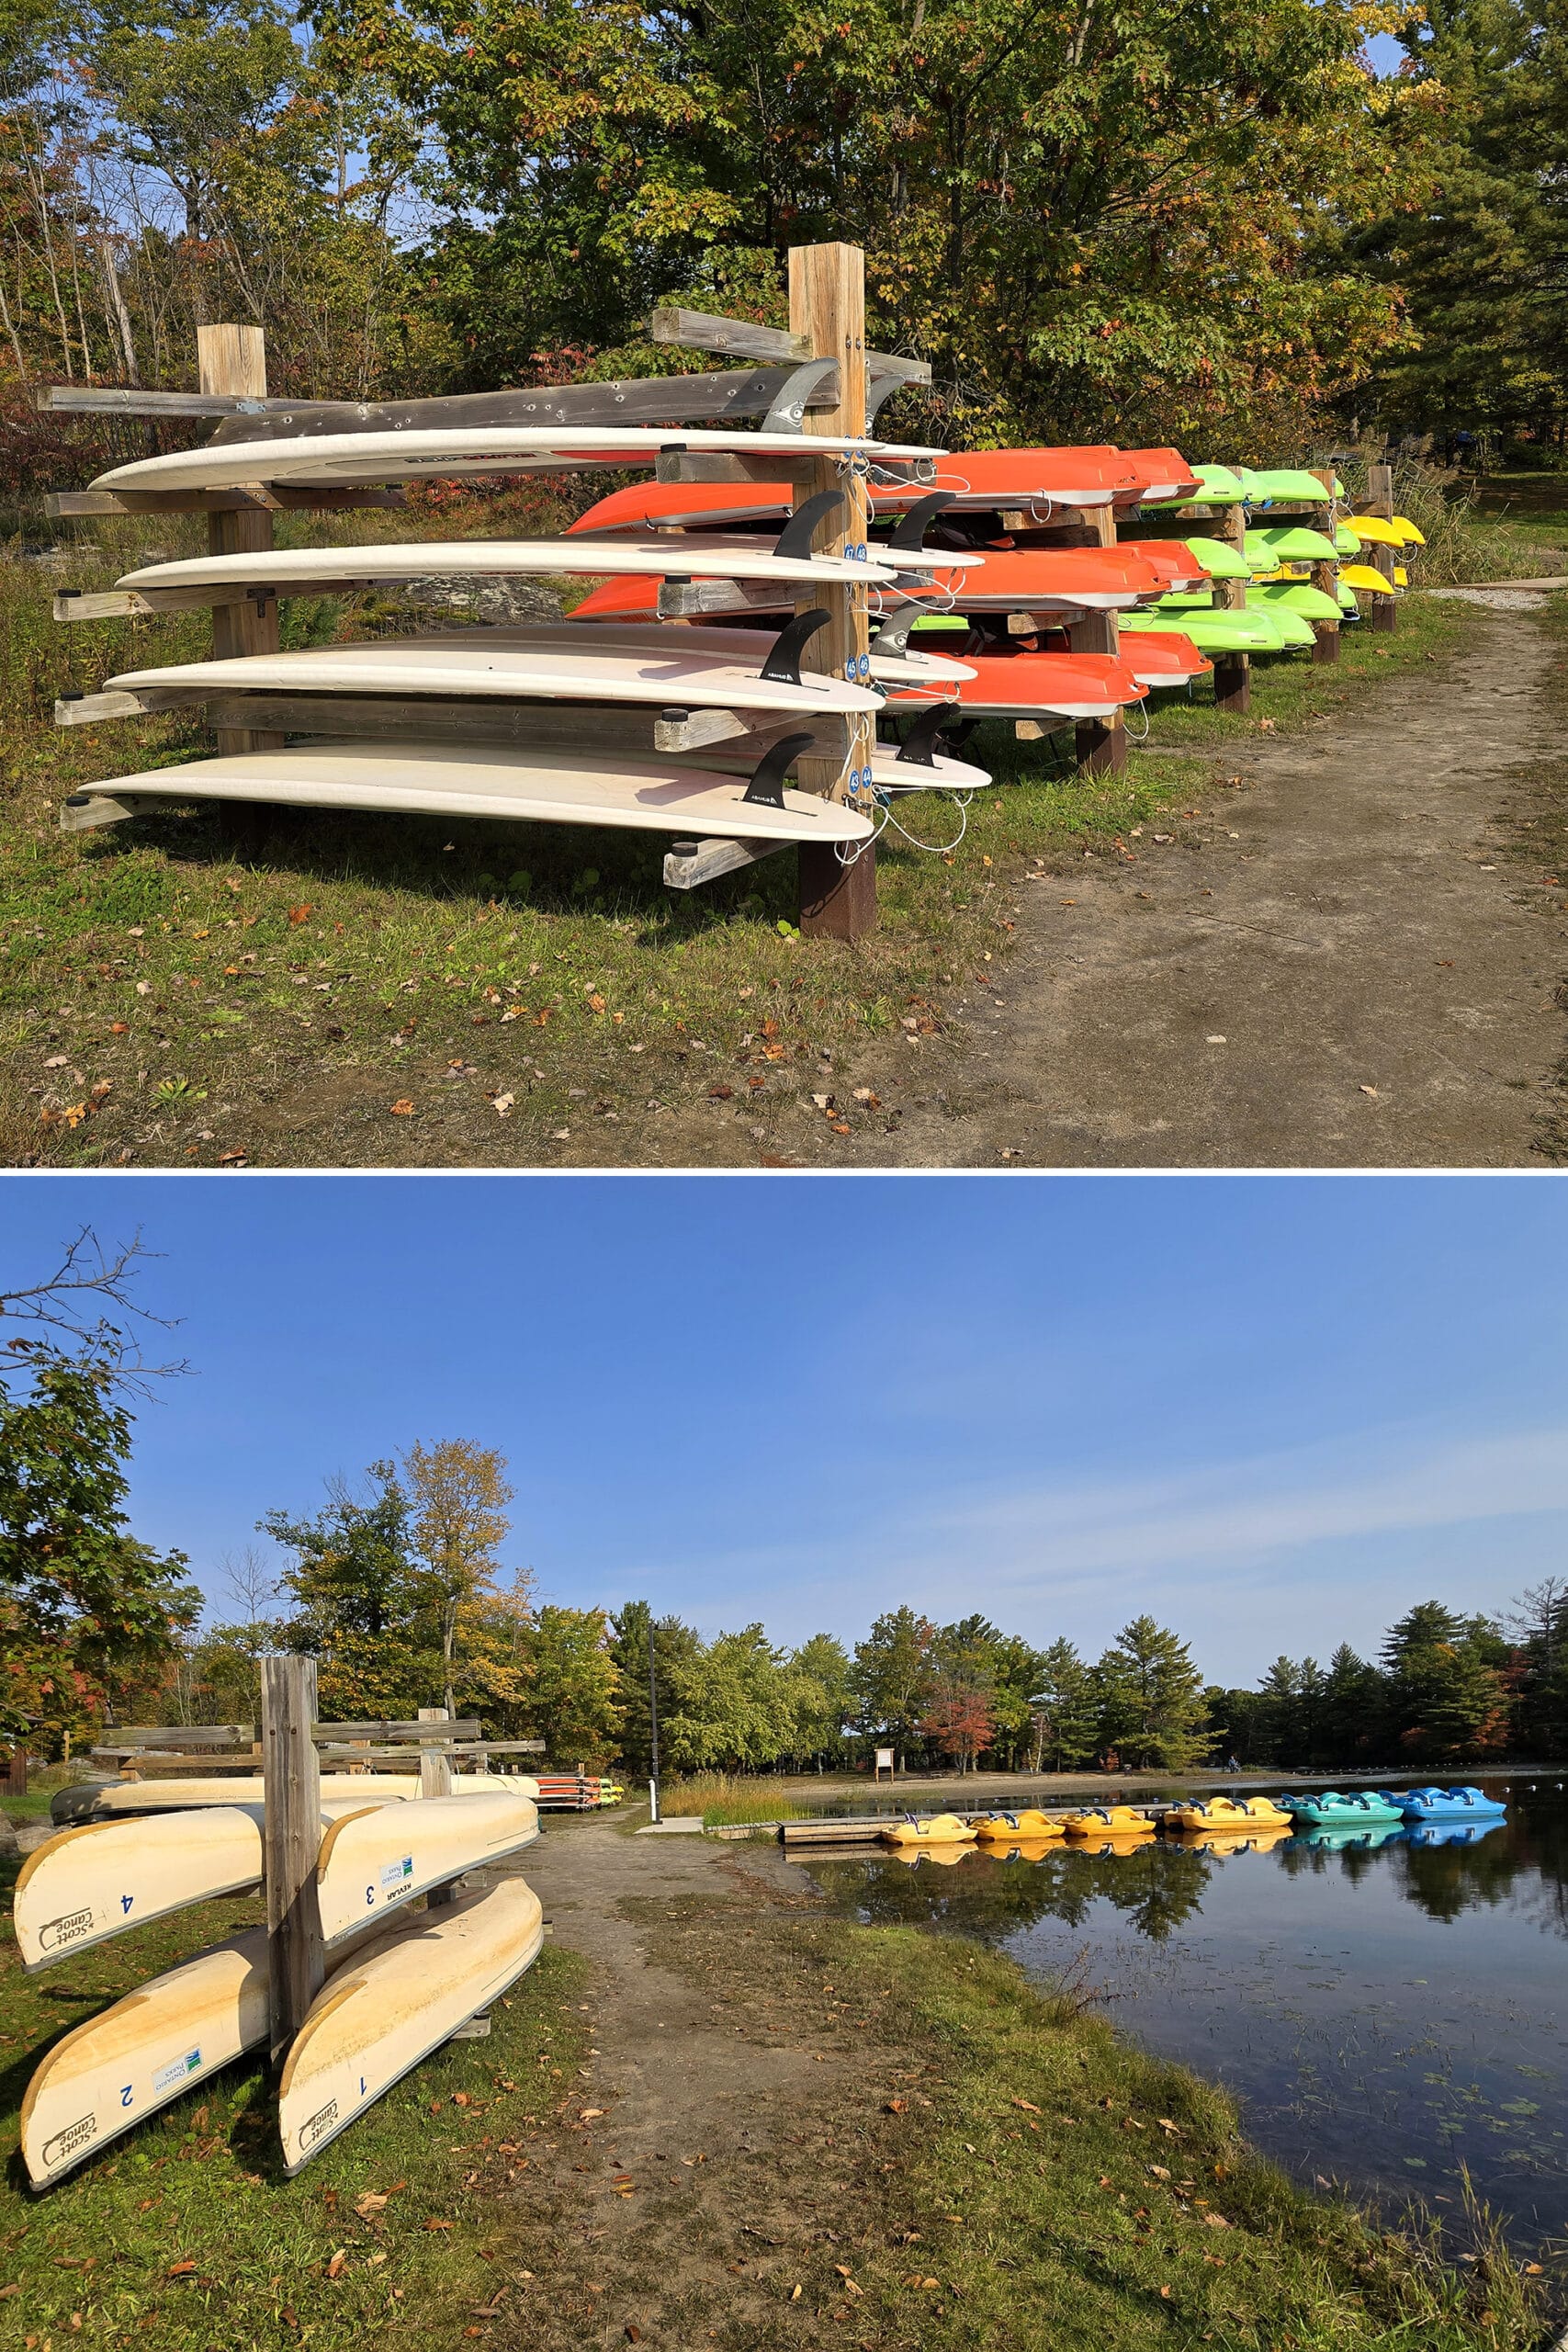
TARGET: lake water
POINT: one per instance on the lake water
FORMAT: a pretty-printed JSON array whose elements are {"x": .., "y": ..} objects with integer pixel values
[{"x": 1387, "y": 2009}]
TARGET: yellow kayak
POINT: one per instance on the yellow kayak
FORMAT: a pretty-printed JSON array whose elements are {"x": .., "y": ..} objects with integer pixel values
[
  {"x": 1108, "y": 1821},
  {"x": 940, "y": 1829},
  {"x": 1362, "y": 576},
  {"x": 1228, "y": 1813},
  {"x": 1007, "y": 1829},
  {"x": 1412, "y": 538},
  {"x": 1397, "y": 534}
]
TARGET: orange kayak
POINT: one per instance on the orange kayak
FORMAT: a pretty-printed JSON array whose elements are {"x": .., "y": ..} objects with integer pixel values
[
  {"x": 1032, "y": 686},
  {"x": 1160, "y": 657}
]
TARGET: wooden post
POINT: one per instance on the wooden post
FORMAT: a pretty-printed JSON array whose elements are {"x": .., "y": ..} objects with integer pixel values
[
  {"x": 435, "y": 1781},
  {"x": 1100, "y": 744},
  {"x": 291, "y": 1840},
  {"x": 1233, "y": 671},
  {"x": 1379, "y": 501},
  {"x": 1325, "y": 575},
  {"x": 233, "y": 359},
  {"x": 827, "y": 305}
]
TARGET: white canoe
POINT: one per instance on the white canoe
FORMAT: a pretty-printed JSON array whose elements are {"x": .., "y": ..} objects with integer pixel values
[
  {"x": 343, "y": 460},
  {"x": 248, "y": 1788},
  {"x": 115, "y": 2069},
  {"x": 453, "y": 780},
  {"x": 390, "y": 2007},
  {"x": 123, "y": 2065},
  {"x": 374, "y": 1861},
  {"x": 315, "y": 572},
  {"x": 579, "y": 664},
  {"x": 95, "y": 1881}
]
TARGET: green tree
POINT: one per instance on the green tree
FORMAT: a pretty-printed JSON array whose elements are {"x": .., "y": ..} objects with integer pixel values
[
  {"x": 673, "y": 1644},
  {"x": 1446, "y": 1693},
  {"x": 1153, "y": 1709},
  {"x": 891, "y": 1677},
  {"x": 1353, "y": 1707},
  {"x": 361, "y": 1608},
  {"x": 457, "y": 1496},
  {"x": 1068, "y": 1710},
  {"x": 1082, "y": 220},
  {"x": 573, "y": 1685},
  {"x": 88, "y": 1612},
  {"x": 823, "y": 1701},
  {"x": 731, "y": 1706}
]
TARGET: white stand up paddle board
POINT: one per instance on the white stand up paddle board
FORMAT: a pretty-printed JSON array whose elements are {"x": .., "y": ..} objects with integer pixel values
[
  {"x": 375, "y": 1861},
  {"x": 312, "y": 572},
  {"x": 580, "y": 664},
  {"x": 392, "y": 2006},
  {"x": 556, "y": 788},
  {"x": 343, "y": 460},
  {"x": 895, "y": 664}
]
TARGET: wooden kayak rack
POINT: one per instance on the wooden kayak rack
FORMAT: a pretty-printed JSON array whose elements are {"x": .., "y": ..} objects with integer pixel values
[{"x": 816, "y": 377}]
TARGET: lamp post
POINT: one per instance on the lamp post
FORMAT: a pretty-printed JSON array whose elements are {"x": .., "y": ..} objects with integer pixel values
[{"x": 652, "y": 1724}]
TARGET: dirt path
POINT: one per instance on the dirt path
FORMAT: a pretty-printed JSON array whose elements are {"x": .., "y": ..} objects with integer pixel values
[
  {"x": 1340, "y": 959},
  {"x": 687, "y": 2187}
]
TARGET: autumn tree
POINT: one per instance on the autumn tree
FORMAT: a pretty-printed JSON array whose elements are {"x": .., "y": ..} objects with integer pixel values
[
  {"x": 1446, "y": 1694},
  {"x": 960, "y": 1716},
  {"x": 457, "y": 1496}
]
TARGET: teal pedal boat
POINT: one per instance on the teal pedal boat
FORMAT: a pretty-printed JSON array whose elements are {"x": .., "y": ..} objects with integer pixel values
[{"x": 1329, "y": 1810}]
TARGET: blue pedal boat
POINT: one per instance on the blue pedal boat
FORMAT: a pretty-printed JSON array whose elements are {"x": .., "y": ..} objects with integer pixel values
[{"x": 1446, "y": 1804}]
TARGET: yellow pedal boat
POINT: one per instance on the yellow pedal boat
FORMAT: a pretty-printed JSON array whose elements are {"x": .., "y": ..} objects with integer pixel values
[
  {"x": 940, "y": 1829},
  {"x": 1109, "y": 1821},
  {"x": 1228, "y": 1813},
  {"x": 1007, "y": 1829}
]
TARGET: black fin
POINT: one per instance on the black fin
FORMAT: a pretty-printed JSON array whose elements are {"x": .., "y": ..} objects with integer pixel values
[
  {"x": 766, "y": 787},
  {"x": 783, "y": 664},
  {"x": 795, "y": 536},
  {"x": 919, "y": 743},
  {"x": 910, "y": 535}
]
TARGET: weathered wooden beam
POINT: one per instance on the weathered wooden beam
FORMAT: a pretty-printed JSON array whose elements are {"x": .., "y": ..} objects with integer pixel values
[
  {"x": 689, "y": 600},
  {"x": 565, "y": 726},
  {"x": 176, "y": 1735},
  {"x": 700, "y": 331},
  {"x": 141, "y": 603},
  {"x": 113, "y": 400},
  {"x": 410, "y": 1734},
  {"x": 690, "y": 864},
  {"x": 291, "y": 1840},
  {"x": 232, "y": 360},
  {"x": 63, "y": 504}
]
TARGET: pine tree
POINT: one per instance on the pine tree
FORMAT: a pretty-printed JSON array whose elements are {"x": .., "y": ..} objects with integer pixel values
[{"x": 1153, "y": 1709}]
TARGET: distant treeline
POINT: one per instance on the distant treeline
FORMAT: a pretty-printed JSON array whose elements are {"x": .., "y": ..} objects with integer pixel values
[{"x": 397, "y": 1589}]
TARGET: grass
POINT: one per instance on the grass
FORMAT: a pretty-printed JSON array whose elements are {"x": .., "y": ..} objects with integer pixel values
[
  {"x": 1037, "y": 2180},
  {"x": 724, "y": 1799},
  {"x": 402, "y": 992},
  {"x": 95, "y": 2262}
]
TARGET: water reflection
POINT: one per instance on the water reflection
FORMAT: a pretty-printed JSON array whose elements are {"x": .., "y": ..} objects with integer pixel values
[{"x": 1389, "y": 2003}]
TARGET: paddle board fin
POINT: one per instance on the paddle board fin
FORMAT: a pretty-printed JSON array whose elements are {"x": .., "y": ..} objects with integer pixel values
[
  {"x": 919, "y": 746},
  {"x": 783, "y": 664},
  {"x": 910, "y": 534},
  {"x": 787, "y": 413},
  {"x": 893, "y": 637},
  {"x": 766, "y": 786},
  {"x": 794, "y": 539}
]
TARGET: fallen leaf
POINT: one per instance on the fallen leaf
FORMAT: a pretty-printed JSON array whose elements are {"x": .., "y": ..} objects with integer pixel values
[
  {"x": 438, "y": 2225},
  {"x": 338, "y": 2264},
  {"x": 501, "y": 1104},
  {"x": 370, "y": 2201},
  {"x": 794, "y": 2294},
  {"x": 595, "y": 1003},
  {"x": 57, "y": 1061},
  {"x": 403, "y": 1108},
  {"x": 1028, "y": 2107},
  {"x": 721, "y": 1093},
  {"x": 587, "y": 2114},
  {"x": 1369, "y": 1090},
  {"x": 300, "y": 914},
  {"x": 179, "y": 2270},
  {"x": 231, "y": 1158},
  {"x": 895, "y": 2107},
  {"x": 1165, "y": 2292},
  {"x": 120, "y": 1028}
]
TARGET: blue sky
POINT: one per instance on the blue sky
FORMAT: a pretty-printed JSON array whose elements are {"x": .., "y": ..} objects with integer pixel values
[{"x": 1274, "y": 1411}]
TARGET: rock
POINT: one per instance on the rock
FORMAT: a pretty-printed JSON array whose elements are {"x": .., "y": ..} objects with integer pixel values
[
  {"x": 494, "y": 603},
  {"x": 9, "y": 1848}
]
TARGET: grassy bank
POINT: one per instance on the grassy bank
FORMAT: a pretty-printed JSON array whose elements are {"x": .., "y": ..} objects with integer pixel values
[
  {"x": 365, "y": 992},
  {"x": 1036, "y": 2181},
  {"x": 184, "y": 2236}
]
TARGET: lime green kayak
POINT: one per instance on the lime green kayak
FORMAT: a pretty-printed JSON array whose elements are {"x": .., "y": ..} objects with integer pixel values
[
  {"x": 1299, "y": 596},
  {"x": 1284, "y": 485},
  {"x": 1217, "y": 487},
  {"x": 1344, "y": 540},
  {"x": 1293, "y": 627},
  {"x": 1215, "y": 631},
  {"x": 1219, "y": 559},
  {"x": 1289, "y": 543},
  {"x": 931, "y": 622}
]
